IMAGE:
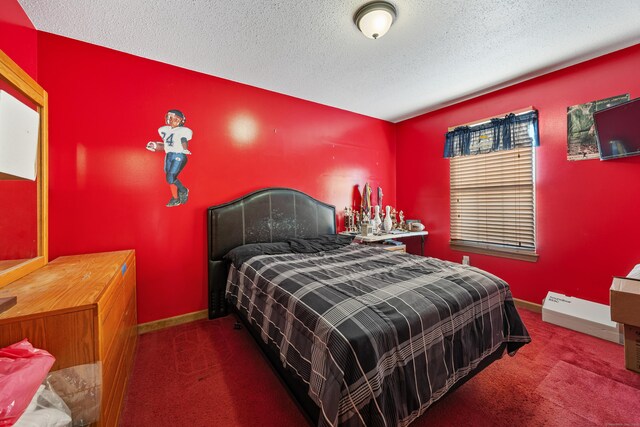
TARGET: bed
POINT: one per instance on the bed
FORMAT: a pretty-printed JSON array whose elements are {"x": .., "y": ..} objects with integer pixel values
[{"x": 361, "y": 336}]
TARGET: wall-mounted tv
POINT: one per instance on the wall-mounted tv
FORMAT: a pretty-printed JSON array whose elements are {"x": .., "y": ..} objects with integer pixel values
[{"x": 618, "y": 130}]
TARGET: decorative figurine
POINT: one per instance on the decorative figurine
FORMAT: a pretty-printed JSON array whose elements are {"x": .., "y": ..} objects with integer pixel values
[
  {"x": 401, "y": 224},
  {"x": 348, "y": 219},
  {"x": 366, "y": 199},
  {"x": 380, "y": 197},
  {"x": 394, "y": 218},
  {"x": 387, "y": 223},
  {"x": 376, "y": 220}
]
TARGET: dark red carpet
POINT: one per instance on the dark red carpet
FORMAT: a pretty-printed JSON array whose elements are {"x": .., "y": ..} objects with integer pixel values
[{"x": 208, "y": 374}]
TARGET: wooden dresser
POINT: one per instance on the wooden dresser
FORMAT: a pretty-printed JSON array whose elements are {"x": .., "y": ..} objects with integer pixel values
[{"x": 81, "y": 309}]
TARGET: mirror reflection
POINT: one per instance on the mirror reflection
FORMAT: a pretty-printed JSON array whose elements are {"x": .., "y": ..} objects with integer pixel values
[{"x": 19, "y": 207}]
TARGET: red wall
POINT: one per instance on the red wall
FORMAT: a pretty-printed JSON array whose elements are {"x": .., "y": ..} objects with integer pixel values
[
  {"x": 108, "y": 193},
  {"x": 18, "y": 37},
  {"x": 18, "y": 225},
  {"x": 587, "y": 227}
]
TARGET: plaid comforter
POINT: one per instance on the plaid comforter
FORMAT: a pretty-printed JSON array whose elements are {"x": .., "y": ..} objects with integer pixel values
[{"x": 377, "y": 335}]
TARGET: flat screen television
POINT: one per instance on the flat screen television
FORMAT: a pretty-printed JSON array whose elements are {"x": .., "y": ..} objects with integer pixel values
[{"x": 618, "y": 130}]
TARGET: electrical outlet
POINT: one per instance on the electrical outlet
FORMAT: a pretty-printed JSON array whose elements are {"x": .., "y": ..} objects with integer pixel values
[{"x": 465, "y": 260}]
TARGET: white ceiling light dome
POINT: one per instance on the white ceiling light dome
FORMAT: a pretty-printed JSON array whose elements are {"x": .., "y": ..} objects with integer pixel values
[{"x": 374, "y": 19}]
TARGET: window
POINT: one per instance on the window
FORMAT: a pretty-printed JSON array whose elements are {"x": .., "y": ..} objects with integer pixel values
[{"x": 493, "y": 187}]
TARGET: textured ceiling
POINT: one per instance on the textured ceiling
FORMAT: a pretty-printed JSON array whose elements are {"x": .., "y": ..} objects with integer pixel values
[{"x": 436, "y": 53}]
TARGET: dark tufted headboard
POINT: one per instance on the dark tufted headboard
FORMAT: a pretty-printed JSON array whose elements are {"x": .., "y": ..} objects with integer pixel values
[{"x": 268, "y": 215}]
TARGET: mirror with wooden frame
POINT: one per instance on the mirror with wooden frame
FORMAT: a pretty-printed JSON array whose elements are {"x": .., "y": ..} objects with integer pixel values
[{"x": 24, "y": 209}]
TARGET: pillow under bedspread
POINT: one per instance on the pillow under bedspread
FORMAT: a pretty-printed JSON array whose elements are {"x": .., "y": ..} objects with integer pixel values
[{"x": 327, "y": 242}]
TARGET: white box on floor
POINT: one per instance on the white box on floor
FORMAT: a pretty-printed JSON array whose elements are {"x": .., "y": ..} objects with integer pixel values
[{"x": 581, "y": 315}]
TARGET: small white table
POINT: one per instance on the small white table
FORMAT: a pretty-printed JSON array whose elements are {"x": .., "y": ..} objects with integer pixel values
[{"x": 400, "y": 235}]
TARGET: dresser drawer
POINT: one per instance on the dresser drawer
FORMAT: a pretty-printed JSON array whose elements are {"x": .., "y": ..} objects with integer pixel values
[
  {"x": 119, "y": 367},
  {"x": 69, "y": 337},
  {"x": 122, "y": 329},
  {"x": 110, "y": 325},
  {"x": 112, "y": 311},
  {"x": 111, "y": 402}
]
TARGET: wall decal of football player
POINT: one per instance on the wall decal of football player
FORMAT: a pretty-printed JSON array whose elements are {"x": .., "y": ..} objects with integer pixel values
[{"x": 175, "y": 141}]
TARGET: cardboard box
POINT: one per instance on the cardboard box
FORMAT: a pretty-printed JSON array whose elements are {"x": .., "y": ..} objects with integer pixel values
[
  {"x": 632, "y": 348},
  {"x": 581, "y": 315},
  {"x": 624, "y": 296}
]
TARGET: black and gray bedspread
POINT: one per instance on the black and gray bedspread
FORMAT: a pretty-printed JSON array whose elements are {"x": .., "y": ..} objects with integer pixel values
[{"x": 377, "y": 335}]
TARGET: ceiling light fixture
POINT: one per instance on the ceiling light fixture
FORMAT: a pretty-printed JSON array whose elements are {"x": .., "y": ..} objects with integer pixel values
[{"x": 374, "y": 19}]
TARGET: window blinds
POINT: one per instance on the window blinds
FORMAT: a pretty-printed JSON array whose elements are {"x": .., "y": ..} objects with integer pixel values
[{"x": 492, "y": 198}]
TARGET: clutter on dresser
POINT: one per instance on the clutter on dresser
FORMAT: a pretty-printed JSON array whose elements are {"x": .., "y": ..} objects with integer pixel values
[{"x": 367, "y": 219}]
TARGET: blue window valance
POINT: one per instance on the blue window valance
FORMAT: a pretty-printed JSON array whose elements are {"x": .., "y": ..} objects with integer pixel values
[{"x": 512, "y": 131}]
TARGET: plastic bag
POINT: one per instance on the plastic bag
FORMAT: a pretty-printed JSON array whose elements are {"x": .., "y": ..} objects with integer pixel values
[
  {"x": 22, "y": 370},
  {"x": 46, "y": 409},
  {"x": 80, "y": 387}
]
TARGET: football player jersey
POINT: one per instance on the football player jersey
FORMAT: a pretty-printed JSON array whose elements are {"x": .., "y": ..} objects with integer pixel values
[{"x": 172, "y": 138}]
